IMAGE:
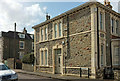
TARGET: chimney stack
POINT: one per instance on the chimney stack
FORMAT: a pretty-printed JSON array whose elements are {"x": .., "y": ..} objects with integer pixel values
[
  {"x": 24, "y": 30},
  {"x": 47, "y": 16},
  {"x": 107, "y": 3}
]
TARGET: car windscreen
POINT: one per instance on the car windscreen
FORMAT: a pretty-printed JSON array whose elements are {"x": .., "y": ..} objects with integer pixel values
[{"x": 3, "y": 67}]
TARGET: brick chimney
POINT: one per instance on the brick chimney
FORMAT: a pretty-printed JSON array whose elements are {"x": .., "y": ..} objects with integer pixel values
[
  {"x": 47, "y": 16},
  {"x": 107, "y": 3},
  {"x": 24, "y": 30}
]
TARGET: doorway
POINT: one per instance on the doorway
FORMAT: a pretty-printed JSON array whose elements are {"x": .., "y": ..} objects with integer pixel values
[{"x": 58, "y": 61}]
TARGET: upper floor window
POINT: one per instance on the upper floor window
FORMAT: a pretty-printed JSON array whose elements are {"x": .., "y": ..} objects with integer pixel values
[
  {"x": 37, "y": 35},
  {"x": 101, "y": 21},
  {"x": 60, "y": 29},
  {"x": 41, "y": 34},
  {"x": 112, "y": 25},
  {"x": 117, "y": 24},
  {"x": 55, "y": 30},
  {"x": 46, "y": 33},
  {"x": 21, "y": 44},
  {"x": 21, "y": 35}
]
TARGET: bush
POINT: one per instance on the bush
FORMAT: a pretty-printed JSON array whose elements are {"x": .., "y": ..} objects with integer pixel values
[{"x": 28, "y": 58}]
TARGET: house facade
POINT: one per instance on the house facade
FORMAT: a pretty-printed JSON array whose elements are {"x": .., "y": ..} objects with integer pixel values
[
  {"x": 16, "y": 44},
  {"x": 84, "y": 38}
]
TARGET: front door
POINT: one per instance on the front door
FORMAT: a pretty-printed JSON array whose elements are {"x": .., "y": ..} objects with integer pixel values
[{"x": 58, "y": 61}]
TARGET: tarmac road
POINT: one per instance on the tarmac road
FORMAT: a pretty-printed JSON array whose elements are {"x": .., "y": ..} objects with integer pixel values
[{"x": 28, "y": 77}]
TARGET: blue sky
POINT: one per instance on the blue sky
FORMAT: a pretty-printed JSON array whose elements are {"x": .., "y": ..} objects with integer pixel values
[
  {"x": 54, "y": 8},
  {"x": 30, "y": 13}
]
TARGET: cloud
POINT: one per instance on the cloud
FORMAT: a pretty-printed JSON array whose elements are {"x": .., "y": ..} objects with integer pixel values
[{"x": 25, "y": 16}]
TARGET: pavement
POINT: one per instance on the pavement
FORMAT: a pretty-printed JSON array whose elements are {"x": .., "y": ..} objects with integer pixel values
[{"x": 56, "y": 76}]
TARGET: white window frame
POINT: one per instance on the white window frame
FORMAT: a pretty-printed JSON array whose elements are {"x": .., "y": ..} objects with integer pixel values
[
  {"x": 20, "y": 44},
  {"x": 21, "y": 35}
]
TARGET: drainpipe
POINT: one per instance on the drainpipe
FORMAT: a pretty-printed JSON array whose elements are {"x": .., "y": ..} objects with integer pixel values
[
  {"x": 98, "y": 59},
  {"x": 14, "y": 47},
  {"x": 110, "y": 54},
  {"x": 67, "y": 41}
]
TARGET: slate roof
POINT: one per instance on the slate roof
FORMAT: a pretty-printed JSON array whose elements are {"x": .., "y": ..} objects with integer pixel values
[{"x": 10, "y": 34}]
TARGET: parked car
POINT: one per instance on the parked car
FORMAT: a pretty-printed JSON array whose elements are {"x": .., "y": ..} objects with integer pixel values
[{"x": 6, "y": 74}]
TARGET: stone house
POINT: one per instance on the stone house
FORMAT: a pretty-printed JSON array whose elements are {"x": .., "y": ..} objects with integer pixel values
[
  {"x": 22, "y": 44},
  {"x": 84, "y": 38}
]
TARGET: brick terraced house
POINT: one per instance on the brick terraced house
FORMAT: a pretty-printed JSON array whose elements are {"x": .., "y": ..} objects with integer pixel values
[
  {"x": 86, "y": 37},
  {"x": 22, "y": 44}
]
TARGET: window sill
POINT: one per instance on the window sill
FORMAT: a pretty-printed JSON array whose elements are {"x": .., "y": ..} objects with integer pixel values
[
  {"x": 114, "y": 34},
  {"x": 21, "y": 48},
  {"x": 57, "y": 38},
  {"x": 43, "y": 66}
]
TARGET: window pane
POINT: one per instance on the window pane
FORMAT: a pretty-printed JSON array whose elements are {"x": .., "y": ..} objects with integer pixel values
[
  {"x": 41, "y": 34},
  {"x": 101, "y": 21},
  {"x": 116, "y": 26},
  {"x": 55, "y": 30},
  {"x": 46, "y": 57},
  {"x": 45, "y": 33},
  {"x": 21, "y": 45},
  {"x": 60, "y": 29},
  {"x": 112, "y": 25},
  {"x": 41, "y": 57},
  {"x": 116, "y": 56},
  {"x": 102, "y": 53}
]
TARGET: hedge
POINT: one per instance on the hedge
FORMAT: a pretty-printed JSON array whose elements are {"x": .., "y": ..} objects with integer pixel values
[{"x": 28, "y": 58}]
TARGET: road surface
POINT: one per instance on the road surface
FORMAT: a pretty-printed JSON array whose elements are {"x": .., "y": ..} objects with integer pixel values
[{"x": 28, "y": 77}]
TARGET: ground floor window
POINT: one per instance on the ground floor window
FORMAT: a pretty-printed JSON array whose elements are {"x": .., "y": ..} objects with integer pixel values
[
  {"x": 41, "y": 57},
  {"x": 116, "y": 60},
  {"x": 44, "y": 57},
  {"x": 102, "y": 55}
]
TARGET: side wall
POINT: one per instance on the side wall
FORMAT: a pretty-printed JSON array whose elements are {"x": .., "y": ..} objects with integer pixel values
[{"x": 79, "y": 39}]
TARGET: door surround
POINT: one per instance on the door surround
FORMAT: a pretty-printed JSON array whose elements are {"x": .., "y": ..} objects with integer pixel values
[{"x": 53, "y": 57}]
